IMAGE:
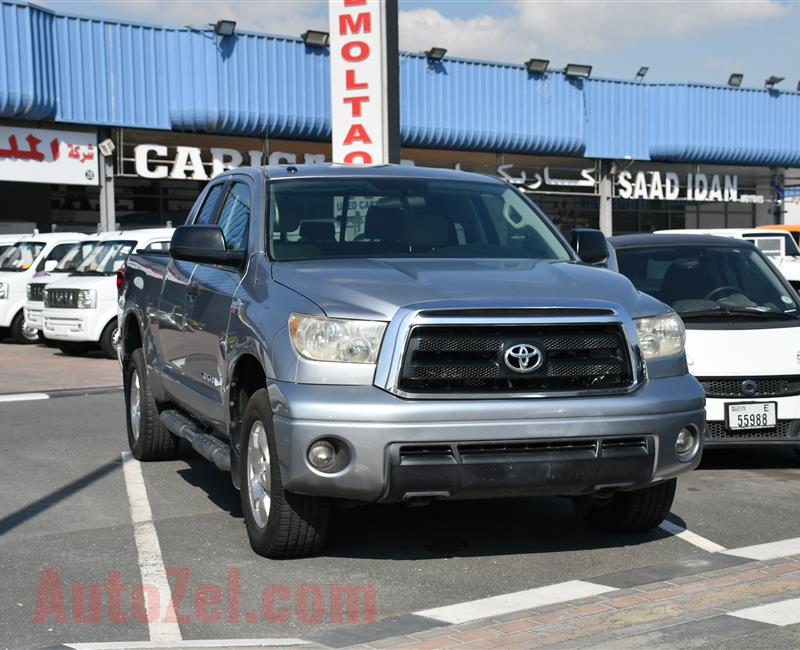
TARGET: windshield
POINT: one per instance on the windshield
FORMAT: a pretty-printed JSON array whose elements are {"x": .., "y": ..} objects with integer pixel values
[
  {"x": 389, "y": 217},
  {"x": 709, "y": 280},
  {"x": 75, "y": 256},
  {"x": 106, "y": 257},
  {"x": 20, "y": 256}
]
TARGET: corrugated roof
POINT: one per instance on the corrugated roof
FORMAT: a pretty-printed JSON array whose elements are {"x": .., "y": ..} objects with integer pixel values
[{"x": 84, "y": 70}]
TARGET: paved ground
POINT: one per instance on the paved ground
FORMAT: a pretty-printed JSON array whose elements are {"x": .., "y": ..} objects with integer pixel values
[
  {"x": 33, "y": 368},
  {"x": 65, "y": 525}
]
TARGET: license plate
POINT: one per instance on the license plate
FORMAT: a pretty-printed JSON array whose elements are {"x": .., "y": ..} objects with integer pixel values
[{"x": 751, "y": 415}]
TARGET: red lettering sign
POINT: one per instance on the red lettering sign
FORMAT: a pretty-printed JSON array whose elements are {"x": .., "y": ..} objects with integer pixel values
[
  {"x": 358, "y": 157},
  {"x": 347, "y": 51},
  {"x": 357, "y": 133},
  {"x": 350, "y": 82},
  {"x": 356, "y": 104}
]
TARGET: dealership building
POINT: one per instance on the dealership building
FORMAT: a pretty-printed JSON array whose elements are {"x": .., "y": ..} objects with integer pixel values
[{"x": 180, "y": 104}]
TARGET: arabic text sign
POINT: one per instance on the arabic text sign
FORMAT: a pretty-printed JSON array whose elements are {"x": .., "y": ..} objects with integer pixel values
[
  {"x": 48, "y": 156},
  {"x": 358, "y": 88}
]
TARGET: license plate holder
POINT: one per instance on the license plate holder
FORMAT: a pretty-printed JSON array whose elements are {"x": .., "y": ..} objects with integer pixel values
[{"x": 745, "y": 416}]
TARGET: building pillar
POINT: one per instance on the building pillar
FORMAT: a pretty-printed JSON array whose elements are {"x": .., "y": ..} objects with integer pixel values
[
  {"x": 606, "y": 190},
  {"x": 108, "y": 217}
]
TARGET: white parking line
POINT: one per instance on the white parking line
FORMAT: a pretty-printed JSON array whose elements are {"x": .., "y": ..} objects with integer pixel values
[
  {"x": 151, "y": 564},
  {"x": 520, "y": 600},
  {"x": 784, "y": 612},
  {"x": 692, "y": 538},
  {"x": 189, "y": 643},
  {"x": 23, "y": 397},
  {"x": 769, "y": 551}
]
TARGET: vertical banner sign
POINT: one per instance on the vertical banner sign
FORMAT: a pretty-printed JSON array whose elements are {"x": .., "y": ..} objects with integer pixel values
[{"x": 359, "y": 85}]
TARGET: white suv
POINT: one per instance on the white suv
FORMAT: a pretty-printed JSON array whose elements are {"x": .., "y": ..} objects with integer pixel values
[
  {"x": 19, "y": 263},
  {"x": 81, "y": 310},
  {"x": 34, "y": 305}
]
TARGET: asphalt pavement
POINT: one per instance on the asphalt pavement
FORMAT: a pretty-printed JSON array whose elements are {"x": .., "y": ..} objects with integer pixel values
[{"x": 65, "y": 525}]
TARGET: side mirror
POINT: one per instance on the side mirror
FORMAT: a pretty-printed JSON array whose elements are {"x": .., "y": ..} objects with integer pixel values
[
  {"x": 49, "y": 265},
  {"x": 203, "y": 244},
  {"x": 590, "y": 245}
]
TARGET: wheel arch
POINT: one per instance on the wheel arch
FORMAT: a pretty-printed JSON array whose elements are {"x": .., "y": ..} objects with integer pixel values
[{"x": 246, "y": 376}]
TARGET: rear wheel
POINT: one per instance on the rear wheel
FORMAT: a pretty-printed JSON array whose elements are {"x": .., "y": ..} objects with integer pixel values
[
  {"x": 108, "y": 340},
  {"x": 629, "y": 512},
  {"x": 147, "y": 437},
  {"x": 21, "y": 333},
  {"x": 279, "y": 523}
]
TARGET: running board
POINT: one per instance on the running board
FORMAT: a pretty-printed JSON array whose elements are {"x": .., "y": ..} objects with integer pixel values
[{"x": 205, "y": 444}]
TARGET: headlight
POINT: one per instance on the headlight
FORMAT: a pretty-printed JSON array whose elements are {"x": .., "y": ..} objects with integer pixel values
[
  {"x": 336, "y": 339},
  {"x": 86, "y": 299},
  {"x": 3, "y": 290},
  {"x": 660, "y": 336}
]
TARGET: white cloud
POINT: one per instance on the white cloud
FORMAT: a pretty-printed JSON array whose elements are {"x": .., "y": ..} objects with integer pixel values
[{"x": 555, "y": 29}]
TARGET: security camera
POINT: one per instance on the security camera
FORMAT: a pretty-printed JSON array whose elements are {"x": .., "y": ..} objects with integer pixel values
[{"x": 106, "y": 147}]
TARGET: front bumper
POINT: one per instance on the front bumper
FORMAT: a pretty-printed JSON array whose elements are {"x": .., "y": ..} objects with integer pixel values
[
  {"x": 67, "y": 324},
  {"x": 507, "y": 447},
  {"x": 33, "y": 315},
  {"x": 786, "y": 433}
]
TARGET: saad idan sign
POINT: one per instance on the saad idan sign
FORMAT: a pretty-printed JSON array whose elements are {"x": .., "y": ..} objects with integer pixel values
[
  {"x": 48, "y": 156},
  {"x": 359, "y": 84}
]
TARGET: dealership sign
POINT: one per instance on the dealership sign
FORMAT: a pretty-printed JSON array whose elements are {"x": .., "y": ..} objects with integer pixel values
[
  {"x": 48, "y": 156},
  {"x": 358, "y": 81}
]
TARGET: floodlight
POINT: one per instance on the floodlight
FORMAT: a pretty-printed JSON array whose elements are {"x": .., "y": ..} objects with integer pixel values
[
  {"x": 771, "y": 81},
  {"x": 314, "y": 38},
  {"x": 225, "y": 27},
  {"x": 435, "y": 54},
  {"x": 578, "y": 70},
  {"x": 642, "y": 72},
  {"x": 735, "y": 79},
  {"x": 537, "y": 66}
]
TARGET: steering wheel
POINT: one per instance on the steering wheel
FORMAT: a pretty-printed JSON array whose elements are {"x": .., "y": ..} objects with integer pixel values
[{"x": 728, "y": 288}]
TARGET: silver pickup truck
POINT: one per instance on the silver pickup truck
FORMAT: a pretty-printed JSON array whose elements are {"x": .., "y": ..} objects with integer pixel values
[{"x": 334, "y": 334}]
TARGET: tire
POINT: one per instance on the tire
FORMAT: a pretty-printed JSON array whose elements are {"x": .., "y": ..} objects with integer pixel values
[
  {"x": 291, "y": 525},
  {"x": 797, "y": 452},
  {"x": 147, "y": 437},
  {"x": 73, "y": 348},
  {"x": 108, "y": 339},
  {"x": 629, "y": 512},
  {"x": 20, "y": 334}
]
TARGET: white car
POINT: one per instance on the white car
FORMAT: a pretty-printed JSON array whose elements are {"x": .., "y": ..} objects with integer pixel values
[
  {"x": 34, "y": 305},
  {"x": 780, "y": 247},
  {"x": 80, "y": 311},
  {"x": 19, "y": 263},
  {"x": 742, "y": 330}
]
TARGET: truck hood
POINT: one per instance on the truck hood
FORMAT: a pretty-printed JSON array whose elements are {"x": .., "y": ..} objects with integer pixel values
[
  {"x": 376, "y": 288},
  {"x": 743, "y": 352}
]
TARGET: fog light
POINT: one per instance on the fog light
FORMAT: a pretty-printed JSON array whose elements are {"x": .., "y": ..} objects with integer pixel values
[
  {"x": 321, "y": 454},
  {"x": 686, "y": 443}
]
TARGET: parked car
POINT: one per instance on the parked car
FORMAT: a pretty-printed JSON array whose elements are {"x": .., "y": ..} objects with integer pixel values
[
  {"x": 742, "y": 330},
  {"x": 34, "y": 305},
  {"x": 780, "y": 247},
  {"x": 395, "y": 334},
  {"x": 19, "y": 263},
  {"x": 792, "y": 228},
  {"x": 80, "y": 311}
]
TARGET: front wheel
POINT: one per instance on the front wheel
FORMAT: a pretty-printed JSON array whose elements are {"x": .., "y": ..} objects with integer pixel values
[
  {"x": 279, "y": 523},
  {"x": 21, "y": 333},
  {"x": 629, "y": 512},
  {"x": 147, "y": 437},
  {"x": 108, "y": 340}
]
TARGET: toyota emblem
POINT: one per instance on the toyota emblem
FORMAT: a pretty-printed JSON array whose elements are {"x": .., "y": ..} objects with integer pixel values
[
  {"x": 523, "y": 358},
  {"x": 749, "y": 388}
]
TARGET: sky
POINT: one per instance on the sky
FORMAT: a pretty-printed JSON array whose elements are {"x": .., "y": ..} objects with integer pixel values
[{"x": 679, "y": 40}]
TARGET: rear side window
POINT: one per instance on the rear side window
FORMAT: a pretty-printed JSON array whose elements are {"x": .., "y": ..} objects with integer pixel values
[
  {"x": 157, "y": 246},
  {"x": 208, "y": 211},
  {"x": 235, "y": 217}
]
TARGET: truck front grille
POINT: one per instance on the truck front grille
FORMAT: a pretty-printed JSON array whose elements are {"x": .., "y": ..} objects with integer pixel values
[
  {"x": 472, "y": 358},
  {"x": 61, "y": 298},
  {"x": 751, "y": 386},
  {"x": 36, "y": 291}
]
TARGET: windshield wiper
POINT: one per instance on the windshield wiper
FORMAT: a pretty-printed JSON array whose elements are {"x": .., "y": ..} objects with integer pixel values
[{"x": 727, "y": 312}]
